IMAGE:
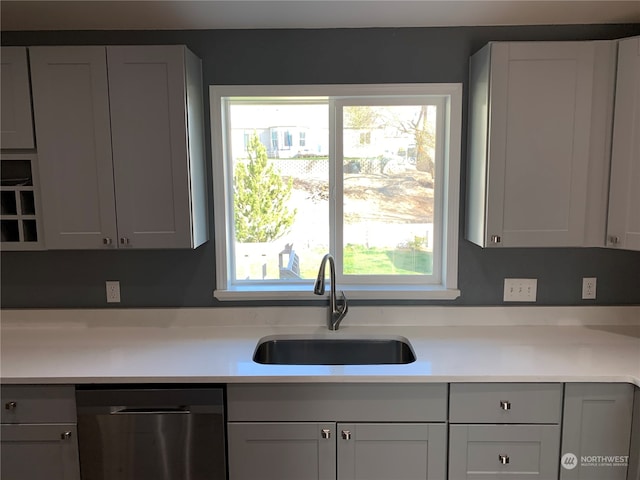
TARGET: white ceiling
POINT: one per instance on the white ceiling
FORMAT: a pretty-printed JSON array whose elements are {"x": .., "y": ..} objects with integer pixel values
[{"x": 213, "y": 14}]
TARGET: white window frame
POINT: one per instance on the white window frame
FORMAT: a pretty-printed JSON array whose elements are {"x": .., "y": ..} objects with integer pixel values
[{"x": 447, "y": 191}]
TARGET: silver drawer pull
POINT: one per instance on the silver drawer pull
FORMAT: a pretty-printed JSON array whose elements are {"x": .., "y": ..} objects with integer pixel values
[
  {"x": 107, "y": 241},
  {"x": 65, "y": 435},
  {"x": 505, "y": 404},
  {"x": 346, "y": 434},
  {"x": 124, "y": 241},
  {"x": 326, "y": 433},
  {"x": 504, "y": 459},
  {"x": 10, "y": 405}
]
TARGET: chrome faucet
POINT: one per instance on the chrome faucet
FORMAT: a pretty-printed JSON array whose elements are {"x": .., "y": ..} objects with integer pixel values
[{"x": 337, "y": 308}]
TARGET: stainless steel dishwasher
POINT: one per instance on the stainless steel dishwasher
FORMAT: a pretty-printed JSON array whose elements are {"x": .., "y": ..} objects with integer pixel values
[{"x": 151, "y": 433}]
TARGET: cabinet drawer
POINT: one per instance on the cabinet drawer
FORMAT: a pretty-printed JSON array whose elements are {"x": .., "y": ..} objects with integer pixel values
[
  {"x": 38, "y": 404},
  {"x": 505, "y": 451},
  {"x": 505, "y": 403},
  {"x": 339, "y": 402}
]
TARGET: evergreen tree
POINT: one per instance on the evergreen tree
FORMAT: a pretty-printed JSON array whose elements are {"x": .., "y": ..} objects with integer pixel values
[{"x": 260, "y": 198}]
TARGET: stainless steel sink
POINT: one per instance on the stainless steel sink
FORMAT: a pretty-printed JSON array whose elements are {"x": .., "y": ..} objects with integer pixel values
[{"x": 324, "y": 350}]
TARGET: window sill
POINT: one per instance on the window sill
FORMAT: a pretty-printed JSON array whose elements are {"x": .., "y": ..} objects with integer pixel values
[{"x": 305, "y": 292}]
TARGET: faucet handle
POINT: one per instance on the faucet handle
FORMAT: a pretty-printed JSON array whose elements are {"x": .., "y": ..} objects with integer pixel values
[{"x": 345, "y": 304}]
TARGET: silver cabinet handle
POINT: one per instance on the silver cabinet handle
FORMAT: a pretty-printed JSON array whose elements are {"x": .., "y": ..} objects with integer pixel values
[
  {"x": 65, "y": 435},
  {"x": 503, "y": 459},
  {"x": 107, "y": 241},
  {"x": 346, "y": 434},
  {"x": 124, "y": 241},
  {"x": 614, "y": 239},
  {"x": 505, "y": 404},
  {"x": 496, "y": 239},
  {"x": 10, "y": 405},
  {"x": 326, "y": 433}
]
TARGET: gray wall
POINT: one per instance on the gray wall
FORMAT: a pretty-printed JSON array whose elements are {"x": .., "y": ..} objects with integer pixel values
[{"x": 187, "y": 278}]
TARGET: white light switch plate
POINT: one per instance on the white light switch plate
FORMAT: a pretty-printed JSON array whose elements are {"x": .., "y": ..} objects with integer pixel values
[{"x": 520, "y": 289}]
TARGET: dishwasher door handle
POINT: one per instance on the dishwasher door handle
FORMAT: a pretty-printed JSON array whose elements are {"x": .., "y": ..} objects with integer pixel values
[{"x": 149, "y": 410}]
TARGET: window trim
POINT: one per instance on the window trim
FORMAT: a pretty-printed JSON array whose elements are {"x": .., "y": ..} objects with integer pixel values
[{"x": 448, "y": 286}]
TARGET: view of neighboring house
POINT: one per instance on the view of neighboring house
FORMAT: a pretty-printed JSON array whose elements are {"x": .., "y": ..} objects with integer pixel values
[{"x": 300, "y": 142}]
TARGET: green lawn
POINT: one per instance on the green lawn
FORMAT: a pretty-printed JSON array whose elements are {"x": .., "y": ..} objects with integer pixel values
[{"x": 359, "y": 260}]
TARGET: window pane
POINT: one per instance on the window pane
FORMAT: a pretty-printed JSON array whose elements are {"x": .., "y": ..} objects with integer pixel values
[
  {"x": 388, "y": 189},
  {"x": 279, "y": 159}
]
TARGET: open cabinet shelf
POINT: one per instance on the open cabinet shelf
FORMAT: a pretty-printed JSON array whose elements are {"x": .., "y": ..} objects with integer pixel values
[{"x": 20, "y": 213}]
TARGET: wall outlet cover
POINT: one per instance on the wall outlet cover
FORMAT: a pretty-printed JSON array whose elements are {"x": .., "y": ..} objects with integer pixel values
[
  {"x": 113, "y": 291},
  {"x": 589, "y": 288}
]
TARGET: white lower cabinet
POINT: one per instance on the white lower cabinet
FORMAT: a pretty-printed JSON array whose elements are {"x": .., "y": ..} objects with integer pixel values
[
  {"x": 369, "y": 436},
  {"x": 39, "y": 452},
  {"x": 634, "y": 443},
  {"x": 513, "y": 431},
  {"x": 346, "y": 451},
  {"x": 38, "y": 434},
  {"x": 504, "y": 430},
  {"x": 596, "y": 432},
  {"x": 281, "y": 451},
  {"x": 399, "y": 451}
]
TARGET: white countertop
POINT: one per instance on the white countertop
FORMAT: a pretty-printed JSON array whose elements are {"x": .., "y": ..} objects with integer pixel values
[{"x": 126, "y": 347}]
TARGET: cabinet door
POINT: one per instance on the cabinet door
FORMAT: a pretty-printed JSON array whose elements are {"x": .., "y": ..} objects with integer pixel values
[
  {"x": 596, "y": 431},
  {"x": 370, "y": 451},
  {"x": 550, "y": 102},
  {"x": 624, "y": 201},
  {"x": 516, "y": 452},
  {"x": 39, "y": 452},
  {"x": 282, "y": 451},
  {"x": 71, "y": 108},
  {"x": 634, "y": 449},
  {"x": 15, "y": 103},
  {"x": 147, "y": 88}
]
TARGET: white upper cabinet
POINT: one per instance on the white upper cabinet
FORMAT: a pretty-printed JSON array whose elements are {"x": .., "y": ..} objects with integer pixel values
[
  {"x": 623, "y": 230},
  {"x": 158, "y": 154},
  {"x": 121, "y": 146},
  {"x": 539, "y": 139},
  {"x": 16, "y": 121},
  {"x": 71, "y": 109}
]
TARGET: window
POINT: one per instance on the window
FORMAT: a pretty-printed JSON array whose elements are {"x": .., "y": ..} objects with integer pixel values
[
  {"x": 288, "y": 139},
  {"x": 365, "y": 138},
  {"x": 374, "y": 180}
]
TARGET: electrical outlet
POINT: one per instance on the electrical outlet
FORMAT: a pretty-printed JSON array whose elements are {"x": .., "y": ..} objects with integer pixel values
[
  {"x": 589, "y": 288},
  {"x": 520, "y": 289},
  {"x": 113, "y": 291}
]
